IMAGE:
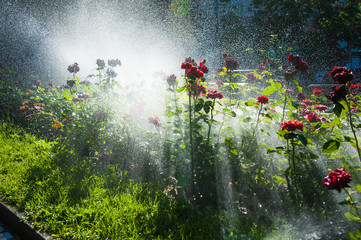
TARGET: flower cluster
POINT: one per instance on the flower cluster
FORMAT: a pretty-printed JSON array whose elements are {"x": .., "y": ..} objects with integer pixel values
[
  {"x": 337, "y": 179},
  {"x": 114, "y": 62},
  {"x": 214, "y": 94},
  {"x": 317, "y": 92},
  {"x": 100, "y": 63},
  {"x": 292, "y": 126},
  {"x": 337, "y": 94},
  {"x": 342, "y": 75},
  {"x": 262, "y": 100},
  {"x": 155, "y": 121},
  {"x": 299, "y": 64},
  {"x": 74, "y": 68},
  {"x": 231, "y": 64},
  {"x": 193, "y": 72}
]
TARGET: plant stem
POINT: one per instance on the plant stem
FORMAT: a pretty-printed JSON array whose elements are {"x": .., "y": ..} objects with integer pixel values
[
  {"x": 284, "y": 104},
  {"x": 191, "y": 142},
  {"x": 352, "y": 201},
  {"x": 210, "y": 123},
  {"x": 353, "y": 130},
  {"x": 259, "y": 113}
]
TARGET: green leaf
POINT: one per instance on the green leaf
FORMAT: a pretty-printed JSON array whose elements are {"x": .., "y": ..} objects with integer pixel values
[
  {"x": 357, "y": 188},
  {"x": 234, "y": 151},
  {"x": 302, "y": 139},
  {"x": 250, "y": 103},
  {"x": 269, "y": 90},
  {"x": 271, "y": 150},
  {"x": 338, "y": 109},
  {"x": 169, "y": 114},
  {"x": 66, "y": 94},
  {"x": 351, "y": 217},
  {"x": 181, "y": 89},
  {"x": 247, "y": 119},
  {"x": 330, "y": 147},
  {"x": 233, "y": 114}
]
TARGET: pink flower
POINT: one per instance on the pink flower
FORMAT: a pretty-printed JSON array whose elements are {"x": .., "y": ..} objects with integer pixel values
[
  {"x": 262, "y": 100},
  {"x": 51, "y": 84},
  {"x": 155, "y": 121},
  {"x": 292, "y": 126},
  {"x": 337, "y": 179},
  {"x": 289, "y": 91}
]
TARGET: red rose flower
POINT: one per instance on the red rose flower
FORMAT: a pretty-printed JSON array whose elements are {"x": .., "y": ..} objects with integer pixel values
[
  {"x": 203, "y": 68},
  {"x": 317, "y": 92},
  {"x": 186, "y": 65},
  {"x": 337, "y": 179},
  {"x": 301, "y": 96},
  {"x": 214, "y": 94},
  {"x": 262, "y": 100},
  {"x": 194, "y": 73},
  {"x": 337, "y": 94},
  {"x": 292, "y": 126},
  {"x": 342, "y": 75},
  {"x": 231, "y": 64},
  {"x": 313, "y": 118},
  {"x": 321, "y": 107}
]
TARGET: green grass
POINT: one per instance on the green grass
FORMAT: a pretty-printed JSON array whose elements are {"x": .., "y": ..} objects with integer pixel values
[{"x": 73, "y": 198}]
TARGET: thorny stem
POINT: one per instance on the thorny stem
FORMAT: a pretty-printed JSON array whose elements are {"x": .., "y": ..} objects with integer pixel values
[{"x": 353, "y": 130}]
